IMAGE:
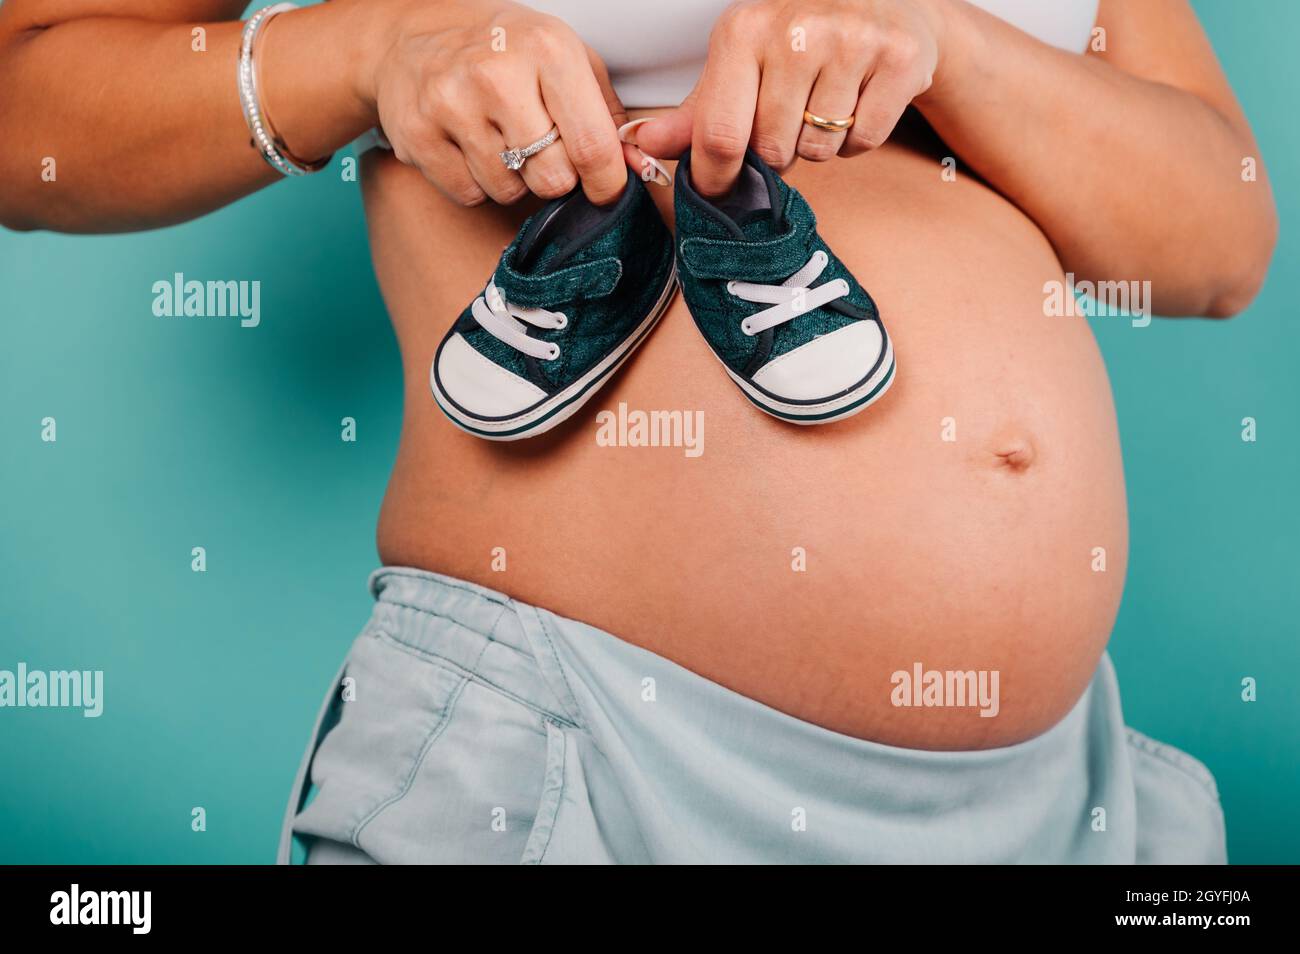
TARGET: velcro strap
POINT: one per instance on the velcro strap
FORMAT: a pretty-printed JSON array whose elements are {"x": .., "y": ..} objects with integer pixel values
[
  {"x": 772, "y": 260},
  {"x": 588, "y": 280}
]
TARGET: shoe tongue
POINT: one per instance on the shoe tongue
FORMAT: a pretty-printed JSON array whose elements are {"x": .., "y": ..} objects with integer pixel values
[
  {"x": 566, "y": 230},
  {"x": 535, "y": 270},
  {"x": 542, "y": 247},
  {"x": 552, "y": 239},
  {"x": 753, "y": 207}
]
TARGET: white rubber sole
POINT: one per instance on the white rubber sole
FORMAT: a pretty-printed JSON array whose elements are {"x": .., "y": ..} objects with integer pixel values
[
  {"x": 563, "y": 404},
  {"x": 825, "y": 412}
]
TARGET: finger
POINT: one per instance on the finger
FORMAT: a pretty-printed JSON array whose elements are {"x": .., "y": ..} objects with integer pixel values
[
  {"x": 548, "y": 173},
  {"x": 444, "y": 165},
  {"x": 884, "y": 98},
  {"x": 636, "y": 161},
  {"x": 669, "y": 135},
  {"x": 482, "y": 144},
  {"x": 632, "y": 156},
  {"x": 648, "y": 167},
  {"x": 783, "y": 90},
  {"x": 724, "y": 113},
  {"x": 834, "y": 96},
  {"x": 574, "y": 99}
]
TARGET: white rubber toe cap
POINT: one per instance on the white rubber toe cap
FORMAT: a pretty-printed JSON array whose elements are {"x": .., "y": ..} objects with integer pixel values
[
  {"x": 480, "y": 387},
  {"x": 824, "y": 366}
]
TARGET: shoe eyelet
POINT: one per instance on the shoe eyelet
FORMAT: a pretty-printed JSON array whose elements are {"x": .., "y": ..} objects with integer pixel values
[
  {"x": 555, "y": 352},
  {"x": 731, "y": 288},
  {"x": 562, "y": 322},
  {"x": 745, "y": 327}
]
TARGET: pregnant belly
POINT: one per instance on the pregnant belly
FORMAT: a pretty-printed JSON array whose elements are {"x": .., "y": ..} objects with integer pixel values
[{"x": 971, "y": 522}]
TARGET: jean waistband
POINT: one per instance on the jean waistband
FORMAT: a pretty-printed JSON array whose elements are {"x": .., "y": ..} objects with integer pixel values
[{"x": 478, "y": 630}]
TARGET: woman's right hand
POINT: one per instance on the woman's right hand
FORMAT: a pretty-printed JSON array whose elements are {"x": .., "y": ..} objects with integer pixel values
[{"x": 457, "y": 82}]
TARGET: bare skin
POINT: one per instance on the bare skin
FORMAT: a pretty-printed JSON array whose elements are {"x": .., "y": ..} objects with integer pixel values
[{"x": 973, "y": 553}]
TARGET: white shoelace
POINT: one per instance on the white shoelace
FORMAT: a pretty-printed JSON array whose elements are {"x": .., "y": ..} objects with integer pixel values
[
  {"x": 790, "y": 299},
  {"x": 497, "y": 317}
]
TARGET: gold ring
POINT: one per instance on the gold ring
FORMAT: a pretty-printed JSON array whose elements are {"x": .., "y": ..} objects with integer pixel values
[{"x": 834, "y": 125}]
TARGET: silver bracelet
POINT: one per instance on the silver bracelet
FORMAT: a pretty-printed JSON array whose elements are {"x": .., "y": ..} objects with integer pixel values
[{"x": 270, "y": 146}]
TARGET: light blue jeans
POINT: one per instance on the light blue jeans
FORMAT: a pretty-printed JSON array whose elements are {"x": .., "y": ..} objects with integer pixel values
[{"x": 466, "y": 726}]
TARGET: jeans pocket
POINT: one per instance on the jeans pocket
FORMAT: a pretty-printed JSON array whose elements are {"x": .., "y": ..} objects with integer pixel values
[
  {"x": 391, "y": 707},
  {"x": 478, "y": 792}
]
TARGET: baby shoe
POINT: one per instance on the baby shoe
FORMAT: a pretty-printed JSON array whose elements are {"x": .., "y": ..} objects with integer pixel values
[
  {"x": 791, "y": 326},
  {"x": 573, "y": 295}
]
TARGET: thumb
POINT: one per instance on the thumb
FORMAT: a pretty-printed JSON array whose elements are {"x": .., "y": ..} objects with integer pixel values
[{"x": 669, "y": 135}]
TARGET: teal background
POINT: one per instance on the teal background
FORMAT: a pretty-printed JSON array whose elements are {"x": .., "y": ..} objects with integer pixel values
[{"x": 175, "y": 434}]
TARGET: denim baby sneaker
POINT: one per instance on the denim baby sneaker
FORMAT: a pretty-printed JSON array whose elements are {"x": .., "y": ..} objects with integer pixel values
[
  {"x": 794, "y": 330},
  {"x": 573, "y": 295}
]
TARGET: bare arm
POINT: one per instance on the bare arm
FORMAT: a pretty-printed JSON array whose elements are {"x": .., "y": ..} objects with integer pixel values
[
  {"x": 145, "y": 127},
  {"x": 1130, "y": 160}
]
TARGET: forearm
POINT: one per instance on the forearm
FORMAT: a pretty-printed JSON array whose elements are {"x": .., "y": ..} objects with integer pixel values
[
  {"x": 142, "y": 130},
  {"x": 1129, "y": 178}
]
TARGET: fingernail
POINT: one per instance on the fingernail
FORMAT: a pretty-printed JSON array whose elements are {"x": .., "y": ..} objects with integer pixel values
[
  {"x": 627, "y": 131},
  {"x": 652, "y": 170}
]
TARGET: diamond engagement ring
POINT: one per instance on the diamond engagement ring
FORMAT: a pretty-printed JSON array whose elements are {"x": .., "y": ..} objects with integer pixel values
[{"x": 515, "y": 158}]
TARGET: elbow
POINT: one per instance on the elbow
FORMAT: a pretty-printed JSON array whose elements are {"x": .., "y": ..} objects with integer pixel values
[
  {"x": 14, "y": 214},
  {"x": 20, "y": 203},
  {"x": 1231, "y": 303},
  {"x": 15, "y": 211},
  {"x": 28, "y": 200},
  {"x": 14, "y": 221},
  {"x": 1244, "y": 271}
]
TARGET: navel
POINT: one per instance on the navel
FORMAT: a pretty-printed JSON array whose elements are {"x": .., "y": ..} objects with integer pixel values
[{"x": 1015, "y": 454}]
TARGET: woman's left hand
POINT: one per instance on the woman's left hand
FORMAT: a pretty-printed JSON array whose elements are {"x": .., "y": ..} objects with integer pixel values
[{"x": 769, "y": 60}]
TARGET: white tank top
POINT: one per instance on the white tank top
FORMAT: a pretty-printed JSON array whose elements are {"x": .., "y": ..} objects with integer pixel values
[{"x": 655, "y": 48}]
